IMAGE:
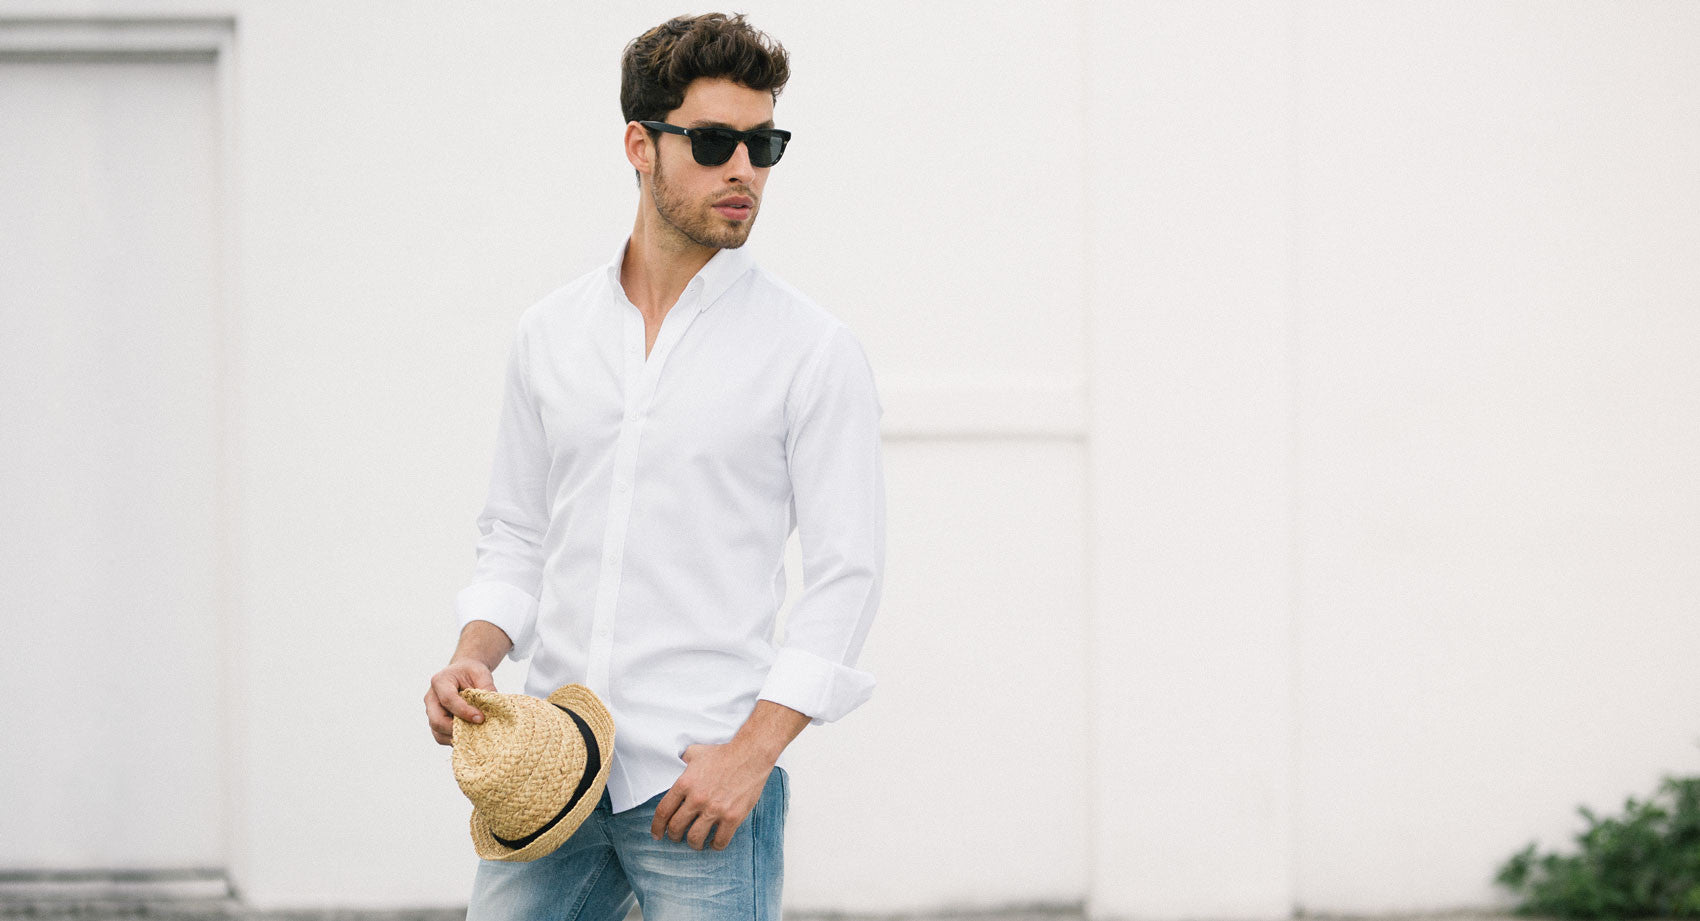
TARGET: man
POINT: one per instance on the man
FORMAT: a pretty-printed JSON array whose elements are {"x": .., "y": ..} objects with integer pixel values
[{"x": 667, "y": 421}]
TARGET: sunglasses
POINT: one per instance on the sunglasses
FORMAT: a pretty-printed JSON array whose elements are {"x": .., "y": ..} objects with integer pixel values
[{"x": 714, "y": 146}]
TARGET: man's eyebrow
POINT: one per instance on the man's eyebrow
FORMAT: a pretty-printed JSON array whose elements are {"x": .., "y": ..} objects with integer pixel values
[{"x": 710, "y": 123}]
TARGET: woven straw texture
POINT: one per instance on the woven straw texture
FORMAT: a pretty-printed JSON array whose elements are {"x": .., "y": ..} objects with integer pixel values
[{"x": 522, "y": 764}]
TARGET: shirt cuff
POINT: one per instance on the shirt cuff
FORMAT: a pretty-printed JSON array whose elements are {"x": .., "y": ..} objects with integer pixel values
[
  {"x": 818, "y": 688},
  {"x": 505, "y": 606}
]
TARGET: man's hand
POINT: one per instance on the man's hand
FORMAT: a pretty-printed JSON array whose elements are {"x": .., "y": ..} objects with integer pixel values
[
  {"x": 481, "y": 648},
  {"x": 443, "y": 701},
  {"x": 720, "y": 786},
  {"x": 722, "y": 783}
]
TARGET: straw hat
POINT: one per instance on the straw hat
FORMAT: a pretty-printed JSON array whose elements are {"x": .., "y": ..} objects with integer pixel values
[{"x": 534, "y": 769}]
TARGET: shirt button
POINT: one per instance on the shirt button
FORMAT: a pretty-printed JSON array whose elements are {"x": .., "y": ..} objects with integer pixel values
[{"x": 620, "y": 488}]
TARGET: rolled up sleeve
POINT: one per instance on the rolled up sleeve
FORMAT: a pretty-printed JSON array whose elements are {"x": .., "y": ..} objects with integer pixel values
[
  {"x": 838, "y": 494},
  {"x": 509, "y": 568}
]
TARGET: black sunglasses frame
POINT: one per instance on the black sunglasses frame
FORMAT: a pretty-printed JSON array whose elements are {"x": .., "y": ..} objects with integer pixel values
[{"x": 705, "y": 141}]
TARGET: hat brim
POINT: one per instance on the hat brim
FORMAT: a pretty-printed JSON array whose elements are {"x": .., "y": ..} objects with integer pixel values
[{"x": 582, "y": 701}]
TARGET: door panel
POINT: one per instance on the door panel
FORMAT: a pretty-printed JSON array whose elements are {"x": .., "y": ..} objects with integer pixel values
[{"x": 109, "y": 449}]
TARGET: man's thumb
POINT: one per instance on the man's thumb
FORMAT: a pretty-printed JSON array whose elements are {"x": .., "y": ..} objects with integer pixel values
[{"x": 476, "y": 675}]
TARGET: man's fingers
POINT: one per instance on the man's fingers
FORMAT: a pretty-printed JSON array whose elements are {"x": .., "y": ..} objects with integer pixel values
[
  {"x": 664, "y": 813},
  {"x": 435, "y": 716},
  {"x": 443, "y": 701},
  {"x": 681, "y": 821},
  {"x": 698, "y": 836},
  {"x": 438, "y": 719},
  {"x": 723, "y": 834},
  {"x": 448, "y": 696}
]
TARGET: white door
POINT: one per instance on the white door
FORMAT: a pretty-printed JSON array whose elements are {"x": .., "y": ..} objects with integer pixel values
[{"x": 110, "y": 523}]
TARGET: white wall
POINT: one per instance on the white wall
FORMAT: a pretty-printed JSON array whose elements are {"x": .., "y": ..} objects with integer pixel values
[
  {"x": 1191, "y": 435},
  {"x": 1394, "y": 566},
  {"x": 1289, "y": 407},
  {"x": 1498, "y": 341}
]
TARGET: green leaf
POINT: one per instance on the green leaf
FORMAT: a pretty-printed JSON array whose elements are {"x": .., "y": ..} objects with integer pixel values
[{"x": 1644, "y": 862}]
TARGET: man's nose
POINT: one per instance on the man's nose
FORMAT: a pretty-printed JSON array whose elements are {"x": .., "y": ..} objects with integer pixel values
[{"x": 739, "y": 168}]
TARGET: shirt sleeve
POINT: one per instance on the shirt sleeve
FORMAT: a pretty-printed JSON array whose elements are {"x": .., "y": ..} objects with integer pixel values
[
  {"x": 838, "y": 492},
  {"x": 505, "y": 580}
]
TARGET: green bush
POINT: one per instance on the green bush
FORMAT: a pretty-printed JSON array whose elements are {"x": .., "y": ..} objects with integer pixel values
[{"x": 1645, "y": 863}]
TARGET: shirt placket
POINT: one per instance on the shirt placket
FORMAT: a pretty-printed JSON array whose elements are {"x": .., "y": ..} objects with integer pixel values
[{"x": 640, "y": 378}]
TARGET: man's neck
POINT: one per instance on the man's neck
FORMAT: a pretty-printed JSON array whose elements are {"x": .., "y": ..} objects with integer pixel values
[{"x": 659, "y": 263}]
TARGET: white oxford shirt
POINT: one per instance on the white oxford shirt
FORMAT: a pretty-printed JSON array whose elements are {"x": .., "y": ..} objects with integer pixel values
[{"x": 634, "y": 536}]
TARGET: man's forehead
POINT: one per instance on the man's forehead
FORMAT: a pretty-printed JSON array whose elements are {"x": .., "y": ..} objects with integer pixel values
[
  {"x": 721, "y": 103},
  {"x": 716, "y": 123}
]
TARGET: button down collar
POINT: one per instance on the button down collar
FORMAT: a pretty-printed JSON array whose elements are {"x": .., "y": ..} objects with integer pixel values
[{"x": 723, "y": 269}]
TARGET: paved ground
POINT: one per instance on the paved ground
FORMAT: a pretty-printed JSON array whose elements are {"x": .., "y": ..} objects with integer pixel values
[
  {"x": 220, "y": 910},
  {"x": 205, "y": 895},
  {"x": 224, "y": 910},
  {"x": 207, "y": 911}
]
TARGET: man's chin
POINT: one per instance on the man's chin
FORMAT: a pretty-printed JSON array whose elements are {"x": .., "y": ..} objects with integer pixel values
[{"x": 734, "y": 239}]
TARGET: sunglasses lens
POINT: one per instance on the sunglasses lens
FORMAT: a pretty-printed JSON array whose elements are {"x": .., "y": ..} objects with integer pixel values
[
  {"x": 712, "y": 147},
  {"x": 765, "y": 149}
]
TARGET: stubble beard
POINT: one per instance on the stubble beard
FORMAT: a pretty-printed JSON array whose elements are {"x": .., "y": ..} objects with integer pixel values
[{"x": 700, "y": 225}]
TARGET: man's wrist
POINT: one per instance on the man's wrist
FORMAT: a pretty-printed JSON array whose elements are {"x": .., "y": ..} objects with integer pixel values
[
  {"x": 483, "y": 642},
  {"x": 769, "y": 729},
  {"x": 757, "y": 749}
]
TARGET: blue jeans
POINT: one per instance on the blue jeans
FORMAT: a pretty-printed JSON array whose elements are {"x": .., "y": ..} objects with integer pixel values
[{"x": 611, "y": 859}]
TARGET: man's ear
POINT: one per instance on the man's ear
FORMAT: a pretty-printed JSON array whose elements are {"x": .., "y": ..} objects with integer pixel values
[{"x": 640, "y": 148}]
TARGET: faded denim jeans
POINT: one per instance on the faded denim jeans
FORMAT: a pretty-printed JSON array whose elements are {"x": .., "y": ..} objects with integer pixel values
[{"x": 611, "y": 860}]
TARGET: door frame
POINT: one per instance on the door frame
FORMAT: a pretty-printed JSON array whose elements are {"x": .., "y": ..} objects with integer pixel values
[{"x": 71, "y": 38}]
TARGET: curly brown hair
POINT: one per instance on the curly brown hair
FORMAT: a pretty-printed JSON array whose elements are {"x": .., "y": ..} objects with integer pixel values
[{"x": 658, "y": 65}]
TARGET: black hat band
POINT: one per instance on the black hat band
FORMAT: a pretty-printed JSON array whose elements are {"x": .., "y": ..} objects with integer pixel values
[{"x": 592, "y": 767}]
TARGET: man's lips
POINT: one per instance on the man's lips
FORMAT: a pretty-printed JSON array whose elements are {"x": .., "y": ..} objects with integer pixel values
[{"x": 735, "y": 207}]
